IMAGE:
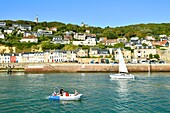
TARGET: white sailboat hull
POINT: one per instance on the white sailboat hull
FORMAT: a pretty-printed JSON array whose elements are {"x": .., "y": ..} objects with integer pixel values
[{"x": 122, "y": 76}]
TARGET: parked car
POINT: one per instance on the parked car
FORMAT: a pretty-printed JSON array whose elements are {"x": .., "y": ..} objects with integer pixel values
[
  {"x": 153, "y": 62},
  {"x": 128, "y": 62},
  {"x": 115, "y": 62},
  {"x": 162, "y": 62},
  {"x": 96, "y": 62},
  {"x": 143, "y": 61}
]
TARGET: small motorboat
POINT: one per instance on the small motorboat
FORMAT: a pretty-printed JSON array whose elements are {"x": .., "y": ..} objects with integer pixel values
[{"x": 70, "y": 97}]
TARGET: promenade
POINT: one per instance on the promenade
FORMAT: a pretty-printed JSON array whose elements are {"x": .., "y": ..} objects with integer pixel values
[{"x": 74, "y": 67}]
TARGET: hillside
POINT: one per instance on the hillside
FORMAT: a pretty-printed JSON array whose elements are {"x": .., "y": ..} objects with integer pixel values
[{"x": 139, "y": 30}]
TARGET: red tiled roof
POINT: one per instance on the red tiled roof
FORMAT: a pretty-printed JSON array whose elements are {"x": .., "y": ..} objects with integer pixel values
[
  {"x": 29, "y": 37},
  {"x": 111, "y": 41},
  {"x": 92, "y": 35},
  {"x": 163, "y": 42},
  {"x": 68, "y": 37}
]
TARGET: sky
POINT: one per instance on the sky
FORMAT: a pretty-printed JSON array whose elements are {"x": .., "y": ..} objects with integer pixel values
[{"x": 98, "y": 13}]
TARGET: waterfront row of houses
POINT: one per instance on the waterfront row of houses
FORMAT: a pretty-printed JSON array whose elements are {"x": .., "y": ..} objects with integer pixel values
[{"x": 72, "y": 56}]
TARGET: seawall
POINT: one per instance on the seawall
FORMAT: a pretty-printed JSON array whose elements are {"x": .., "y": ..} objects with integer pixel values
[
  {"x": 74, "y": 67},
  {"x": 95, "y": 68}
]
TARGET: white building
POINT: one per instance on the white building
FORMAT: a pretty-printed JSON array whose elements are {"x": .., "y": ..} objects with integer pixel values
[
  {"x": 2, "y": 24},
  {"x": 4, "y": 58},
  {"x": 55, "y": 56},
  {"x": 19, "y": 58},
  {"x": 2, "y": 36},
  {"x": 29, "y": 39},
  {"x": 80, "y": 36},
  {"x": 44, "y": 32},
  {"x": 162, "y": 36},
  {"x": 24, "y": 27},
  {"x": 8, "y": 31},
  {"x": 150, "y": 38},
  {"x": 33, "y": 57},
  {"x": 60, "y": 40},
  {"x": 89, "y": 41}
]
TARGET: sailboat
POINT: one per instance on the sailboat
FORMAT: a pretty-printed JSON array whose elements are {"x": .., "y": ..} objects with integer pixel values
[{"x": 123, "y": 72}]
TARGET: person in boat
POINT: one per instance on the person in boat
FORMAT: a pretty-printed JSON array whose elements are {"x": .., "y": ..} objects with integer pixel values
[
  {"x": 61, "y": 91},
  {"x": 75, "y": 93},
  {"x": 67, "y": 94},
  {"x": 54, "y": 94}
]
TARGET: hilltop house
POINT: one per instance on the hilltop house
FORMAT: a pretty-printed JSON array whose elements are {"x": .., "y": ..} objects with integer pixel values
[
  {"x": 59, "y": 40},
  {"x": 24, "y": 27},
  {"x": 8, "y": 31},
  {"x": 110, "y": 42},
  {"x": 89, "y": 41},
  {"x": 147, "y": 42},
  {"x": 52, "y": 29},
  {"x": 150, "y": 38},
  {"x": 2, "y": 24},
  {"x": 80, "y": 36},
  {"x": 163, "y": 43},
  {"x": 30, "y": 38},
  {"x": 44, "y": 32},
  {"x": 27, "y": 33},
  {"x": 66, "y": 37},
  {"x": 124, "y": 40},
  {"x": 2, "y": 36},
  {"x": 162, "y": 36}
]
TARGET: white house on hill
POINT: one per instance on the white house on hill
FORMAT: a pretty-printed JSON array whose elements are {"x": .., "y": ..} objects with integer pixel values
[
  {"x": 30, "y": 38},
  {"x": 89, "y": 41}
]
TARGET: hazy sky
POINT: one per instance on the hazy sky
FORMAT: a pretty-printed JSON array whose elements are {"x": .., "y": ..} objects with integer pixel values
[{"x": 100, "y": 13}]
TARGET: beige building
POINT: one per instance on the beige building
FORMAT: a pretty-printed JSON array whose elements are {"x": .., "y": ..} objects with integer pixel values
[
  {"x": 143, "y": 52},
  {"x": 82, "y": 53}
]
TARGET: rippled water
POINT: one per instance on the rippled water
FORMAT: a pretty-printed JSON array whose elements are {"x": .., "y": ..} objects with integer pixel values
[{"x": 21, "y": 92}]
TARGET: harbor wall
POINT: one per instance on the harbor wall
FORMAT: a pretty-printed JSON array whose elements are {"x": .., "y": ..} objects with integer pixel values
[
  {"x": 74, "y": 67},
  {"x": 97, "y": 68}
]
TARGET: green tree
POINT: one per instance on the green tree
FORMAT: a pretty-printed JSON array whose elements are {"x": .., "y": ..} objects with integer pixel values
[
  {"x": 156, "y": 56},
  {"x": 119, "y": 45},
  {"x": 109, "y": 34},
  {"x": 144, "y": 44},
  {"x": 150, "y": 56},
  {"x": 101, "y": 46},
  {"x": 85, "y": 47}
]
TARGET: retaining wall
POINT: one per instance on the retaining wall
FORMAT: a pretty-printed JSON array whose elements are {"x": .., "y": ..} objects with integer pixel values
[{"x": 97, "y": 68}]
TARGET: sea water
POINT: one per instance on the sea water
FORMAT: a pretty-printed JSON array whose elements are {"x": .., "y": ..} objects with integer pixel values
[{"x": 148, "y": 92}]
